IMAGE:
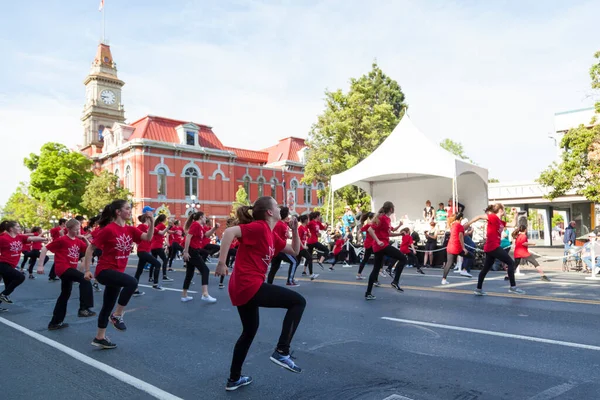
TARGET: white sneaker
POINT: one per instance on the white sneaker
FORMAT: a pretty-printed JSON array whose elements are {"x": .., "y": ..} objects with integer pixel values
[
  {"x": 457, "y": 271},
  {"x": 186, "y": 299},
  {"x": 519, "y": 274},
  {"x": 465, "y": 273},
  {"x": 445, "y": 282},
  {"x": 208, "y": 299},
  {"x": 313, "y": 277}
]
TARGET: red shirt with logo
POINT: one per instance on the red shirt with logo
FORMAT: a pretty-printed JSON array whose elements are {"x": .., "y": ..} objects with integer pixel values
[
  {"x": 303, "y": 233},
  {"x": 144, "y": 245},
  {"x": 197, "y": 232},
  {"x": 116, "y": 243},
  {"x": 11, "y": 247},
  {"x": 258, "y": 245},
  {"x": 382, "y": 231},
  {"x": 157, "y": 239},
  {"x": 36, "y": 245},
  {"x": 454, "y": 246},
  {"x": 314, "y": 227},
  {"x": 407, "y": 241},
  {"x": 520, "y": 250},
  {"x": 337, "y": 248},
  {"x": 176, "y": 235},
  {"x": 66, "y": 253},
  {"x": 495, "y": 226},
  {"x": 368, "y": 239}
]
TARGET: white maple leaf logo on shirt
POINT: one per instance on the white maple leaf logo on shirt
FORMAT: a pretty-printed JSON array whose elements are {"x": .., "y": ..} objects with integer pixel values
[
  {"x": 73, "y": 252},
  {"x": 124, "y": 243},
  {"x": 16, "y": 247},
  {"x": 267, "y": 259}
]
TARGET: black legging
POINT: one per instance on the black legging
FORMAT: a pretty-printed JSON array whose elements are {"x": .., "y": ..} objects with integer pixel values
[
  {"x": 490, "y": 256},
  {"x": 113, "y": 281},
  {"x": 391, "y": 252},
  {"x": 146, "y": 258},
  {"x": 196, "y": 261},
  {"x": 211, "y": 248},
  {"x": 12, "y": 278},
  {"x": 320, "y": 249},
  {"x": 229, "y": 262},
  {"x": 159, "y": 253},
  {"x": 34, "y": 255},
  {"x": 26, "y": 257},
  {"x": 276, "y": 263},
  {"x": 86, "y": 296},
  {"x": 304, "y": 253},
  {"x": 96, "y": 254},
  {"x": 341, "y": 256},
  {"x": 268, "y": 296},
  {"x": 173, "y": 250},
  {"x": 451, "y": 259},
  {"x": 365, "y": 259}
]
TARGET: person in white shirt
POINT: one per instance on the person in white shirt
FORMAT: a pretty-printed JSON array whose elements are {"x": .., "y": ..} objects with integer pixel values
[{"x": 587, "y": 253}]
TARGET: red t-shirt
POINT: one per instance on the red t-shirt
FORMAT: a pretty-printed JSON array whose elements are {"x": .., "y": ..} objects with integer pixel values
[
  {"x": 94, "y": 233},
  {"x": 66, "y": 253},
  {"x": 176, "y": 235},
  {"x": 338, "y": 246},
  {"x": 382, "y": 231},
  {"x": 116, "y": 243},
  {"x": 281, "y": 229},
  {"x": 368, "y": 239},
  {"x": 303, "y": 233},
  {"x": 11, "y": 247},
  {"x": 157, "y": 239},
  {"x": 206, "y": 238},
  {"x": 314, "y": 227},
  {"x": 197, "y": 232},
  {"x": 36, "y": 245},
  {"x": 27, "y": 246},
  {"x": 495, "y": 226},
  {"x": 520, "y": 250},
  {"x": 258, "y": 245},
  {"x": 144, "y": 245},
  {"x": 407, "y": 240},
  {"x": 454, "y": 246},
  {"x": 234, "y": 243},
  {"x": 55, "y": 232}
]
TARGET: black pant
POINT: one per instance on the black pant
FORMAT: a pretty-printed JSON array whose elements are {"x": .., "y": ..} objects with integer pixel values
[
  {"x": 341, "y": 256},
  {"x": 276, "y": 263},
  {"x": 113, "y": 281},
  {"x": 159, "y": 253},
  {"x": 196, "y": 261},
  {"x": 365, "y": 259},
  {"x": 12, "y": 278},
  {"x": 229, "y": 262},
  {"x": 490, "y": 256},
  {"x": 451, "y": 259},
  {"x": 268, "y": 296},
  {"x": 391, "y": 252},
  {"x": 97, "y": 253},
  {"x": 304, "y": 253},
  {"x": 411, "y": 259},
  {"x": 320, "y": 249},
  {"x": 52, "y": 274},
  {"x": 34, "y": 255},
  {"x": 86, "y": 296},
  {"x": 26, "y": 257},
  {"x": 146, "y": 258},
  {"x": 212, "y": 248},
  {"x": 173, "y": 250}
]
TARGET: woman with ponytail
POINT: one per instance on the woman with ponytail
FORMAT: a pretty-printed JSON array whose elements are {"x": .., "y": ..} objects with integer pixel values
[
  {"x": 192, "y": 255},
  {"x": 456, "y": 244},
  {"x": 158, "y": 246},
  {"x": 248, "y": 290},
  {"x": 145, "y": 256},
  {"x": 115, "y": 238},
  {"x": 304, "y": 253},
  {"x": 314, "y": 228},
  {"x": 522, "y": 253}
]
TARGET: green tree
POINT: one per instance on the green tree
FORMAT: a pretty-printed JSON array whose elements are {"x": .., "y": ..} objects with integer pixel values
[
  {"x": 241, "y": 199},
  {"x": 557, "y": 219},
  {"x": 59, "y": 176},
  {"x": 579, "y": 167},
  {"x": 352, "y": 125},
  {"x": 100, "y": 191},
  {"x": 493, "y": 180},
  {"x": 28, "y": 211}
]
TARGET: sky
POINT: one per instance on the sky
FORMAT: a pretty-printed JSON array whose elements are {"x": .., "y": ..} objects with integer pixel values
[{"x": 489, "y": 75}]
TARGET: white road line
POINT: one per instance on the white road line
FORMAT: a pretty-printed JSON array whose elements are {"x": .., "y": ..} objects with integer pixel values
[
  {"x": 397, "y": 397},
  {"x": 166, "y": 288},
  {"x": 115, "y": 373},
  {"x": 554, "y": 391},
  {"x": 493, "y": 333}
]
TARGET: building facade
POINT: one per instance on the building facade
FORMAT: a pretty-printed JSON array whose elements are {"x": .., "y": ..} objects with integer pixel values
[{"x": 177, "y": 166}]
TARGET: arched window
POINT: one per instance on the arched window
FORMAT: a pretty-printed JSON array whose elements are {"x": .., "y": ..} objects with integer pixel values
[
  {"x": 191, "y": 182},
  {"x": 128, "y": 177},
  {"x": 320, "y": 190},
  {"x": 247, "y": 185},
  {"x": 161, "y": 176},
  {"x": 118, "y": 177},
  {"x": 261, "y": 186},
  {"x": 294, "y": 184},
  {"x": 274, "y": 184},
  {"x": 307, "y": 193}
]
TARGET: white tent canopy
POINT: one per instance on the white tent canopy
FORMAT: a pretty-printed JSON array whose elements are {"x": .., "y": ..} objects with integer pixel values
[{"x": 408, "y": 169}]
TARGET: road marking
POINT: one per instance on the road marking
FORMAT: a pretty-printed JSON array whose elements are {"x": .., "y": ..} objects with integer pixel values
[
  {"x": 115, "y": 373},
  {"x": 166, "y": 288},
  {"x": 493, "y": 333},
  {"x": 397, "y": 397},
  {"x": 554, "y": 391}
]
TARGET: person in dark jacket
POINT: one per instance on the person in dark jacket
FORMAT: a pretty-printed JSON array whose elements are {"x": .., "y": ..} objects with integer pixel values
[{"x": 569, "y": 238}]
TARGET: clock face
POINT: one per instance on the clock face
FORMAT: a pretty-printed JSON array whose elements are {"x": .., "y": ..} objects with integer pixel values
[{"x": 108, "y": 97}]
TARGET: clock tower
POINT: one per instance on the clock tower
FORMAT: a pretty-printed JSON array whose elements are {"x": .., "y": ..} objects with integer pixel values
[{"x": 102, "y": 98}]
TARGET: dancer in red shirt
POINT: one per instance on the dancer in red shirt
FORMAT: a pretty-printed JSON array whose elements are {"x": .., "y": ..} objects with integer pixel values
[
  {"x": 66, "y": 251},
  {"x": 314, "y": 227},
  {"x": 282, "y": 230},
  {"x": 55, "y": 233},
  {"x": 34, "y": 253},
  {"x": 115, "y": 239},
  {"x": 303, "y": 233},
  {"x": 365, "y": 222},
  {"x": 492, "y": 248},
  {"x": 231, "y": 254},
  {"x": 145, "y": 256},
  {"x": 248, "y": 290},
  {"x": 176, "y": 242},
  {"x": 11, "y": 244},
  {"x": 158, "y": 245},
  {"x": 522, "y": 253},
  {"x": 339, "y": 252},
  {"x": 193, "y": 257},
  {"x": 456, "y": 244}
]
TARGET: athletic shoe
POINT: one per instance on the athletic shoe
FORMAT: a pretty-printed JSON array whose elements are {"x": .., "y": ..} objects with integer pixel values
[
  {"x": 516, "y": 290},
  {"x": 465, "y": 273},
  {"x": 377, "y": 284},
  {"x": 55, "y": 327},
  {"x": 170, "y": 270},
  {"x": 445, "y": 282},
  {"x": 360, "y": 277},
  {"x": 3, "y": 309},
  {"x": 419, "y": 270},
  {"x": 117, "y": 321},
  {"x": 314, "y": 276},
  {"x": 31, "y": 276},
  {"x": 4, "y": 298},
  {"x": 103, "y": 343},
  {"x": 370, "y": 297},
  {"x": 186, "y": 299},
  {"x": 233, "y": 385},
  {"x": 479, "y": 292},
  {"x": 331, "y": 268},
  {"x": 221, "y": 286},
  {"x": 158, "y": 287},
  {"x": 96, "y": 287},
  {"x": 292, "y": 284},
  {"x": 150, "y": 280},
  {"x": 53, "y": 279},
  {"x": 85, "y": 313},
  {"x": 457, "y": 271},
  {"x": 397, "y": 287},
  {"x": 303, "y": 274},
  {"x": 383, "y": 274},
  {"x": 285, "y": 362},
  {"x": 321, "y": 265},
  {"x": 167, "y": 279},
  {"x": 389, "y": 271},
  {"x": 545, "y": 278},
  {"x": 137, "y": 293},
  {"x": 208, "y": 299},
  {"x": 506, "y": 278},
  {"x": 519, "y": 274}
]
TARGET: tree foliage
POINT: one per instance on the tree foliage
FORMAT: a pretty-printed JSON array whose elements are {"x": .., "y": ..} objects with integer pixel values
[
  {"x": 59, "y": 176},
  {"x": 455, "y": 148},
  {"x": 241, "y": 199},
  {"x": 100, "y": 191},
  {"x": 352, "y": 125},
  {"x": 28, "y": 211}
]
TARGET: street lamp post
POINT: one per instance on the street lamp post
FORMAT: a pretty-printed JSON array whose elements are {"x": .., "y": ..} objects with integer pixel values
[
  {"x": 283, "y": 185},
  {"x": 193, "y": 205}
]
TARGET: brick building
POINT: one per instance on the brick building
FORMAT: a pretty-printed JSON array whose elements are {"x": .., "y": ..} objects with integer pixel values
[{"x": 171, "y": 164}]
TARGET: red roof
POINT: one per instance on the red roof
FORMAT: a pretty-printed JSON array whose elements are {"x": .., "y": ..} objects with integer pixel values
[
  {"x": 249, "y": 155},
  {"x": 163, "y": 130},
  {"x": 286, "y": 149}
]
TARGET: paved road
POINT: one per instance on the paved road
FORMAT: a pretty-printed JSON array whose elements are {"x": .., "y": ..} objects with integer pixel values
[{"x": 348, "y": 348}]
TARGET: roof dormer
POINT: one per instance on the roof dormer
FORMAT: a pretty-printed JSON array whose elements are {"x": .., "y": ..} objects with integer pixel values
[{"x": 188, "y": 134}]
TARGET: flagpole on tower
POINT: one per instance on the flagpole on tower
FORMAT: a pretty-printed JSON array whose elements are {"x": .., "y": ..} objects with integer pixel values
[{"x": 101, "y": 8}]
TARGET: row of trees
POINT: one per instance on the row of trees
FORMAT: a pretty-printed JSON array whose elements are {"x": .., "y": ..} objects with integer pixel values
[{"x": 61, "y": 182}]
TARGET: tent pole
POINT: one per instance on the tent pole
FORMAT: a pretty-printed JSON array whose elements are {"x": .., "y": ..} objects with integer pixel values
[{"x": 331, "y": 194}]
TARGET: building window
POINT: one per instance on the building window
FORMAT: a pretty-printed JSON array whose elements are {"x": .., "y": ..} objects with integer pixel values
[
  {"x": 100, "y": 129},
  {"x": 128, "y": 177},
  {"x": 190, "y": 138},
  {"x": 274, "y": 184},
  {"x": 191, "y": 182},
  {"x": 294, "y": 184},
  {"x": 247, "y": 185},
  {"x": 118, "y": 178},
  {"x": 261, "y": 186},
  {"x": 161, "y": 176},
  {"x": 307, "y": 193},
  {"x": 320, "y": 190}
]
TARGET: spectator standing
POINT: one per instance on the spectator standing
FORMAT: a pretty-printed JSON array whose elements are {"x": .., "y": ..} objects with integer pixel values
[{"x": 428, "y": 212}]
